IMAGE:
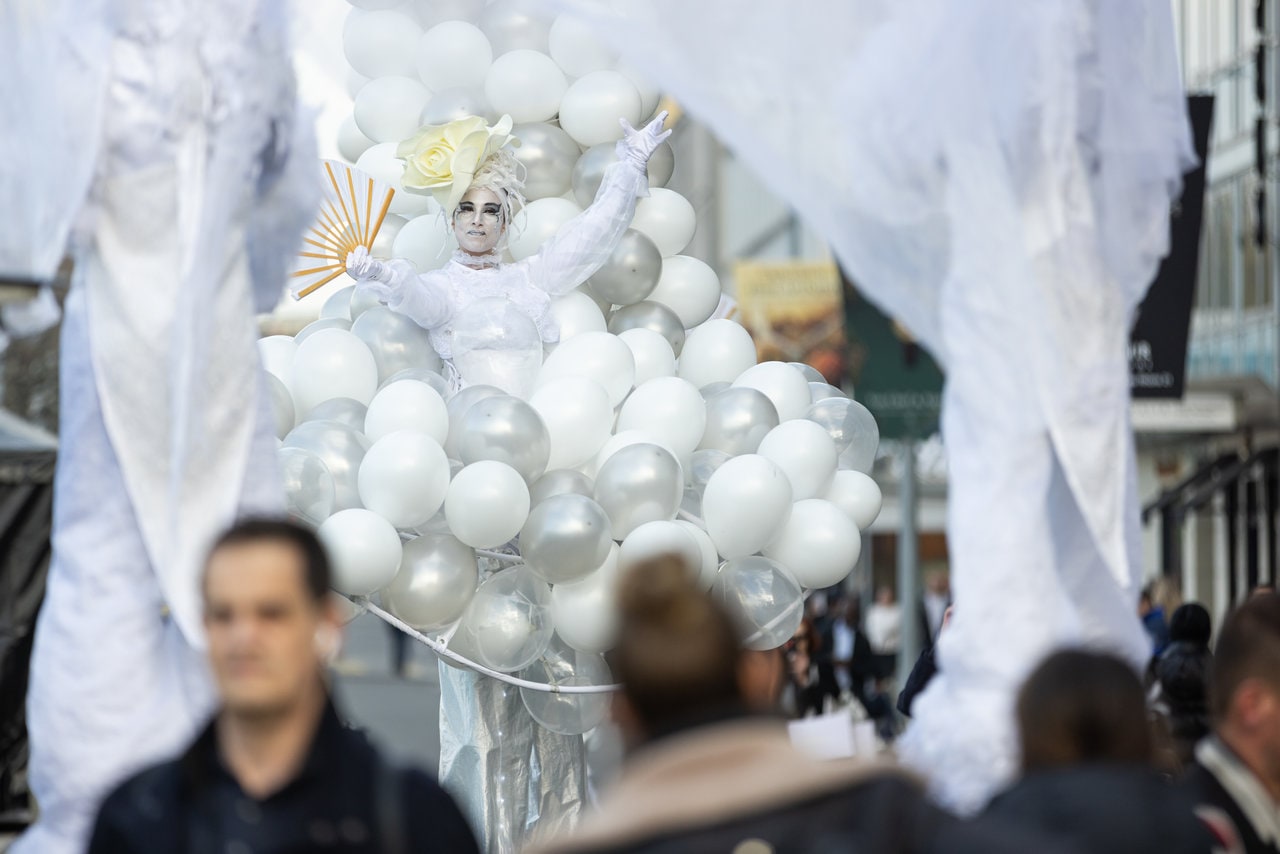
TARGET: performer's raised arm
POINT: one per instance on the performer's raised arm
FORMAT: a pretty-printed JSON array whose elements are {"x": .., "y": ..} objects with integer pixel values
[
  {"x": 585, "y": 242},
  {"x": 397, "y": 285}
]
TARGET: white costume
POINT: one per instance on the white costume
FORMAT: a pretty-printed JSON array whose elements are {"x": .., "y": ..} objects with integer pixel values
[{"x": 185, "y": 229}]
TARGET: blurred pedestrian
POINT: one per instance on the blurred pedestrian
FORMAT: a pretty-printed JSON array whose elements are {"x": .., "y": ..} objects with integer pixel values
[
  {"x": 705, "y": 774},
  {"x": 1236, "y": 774},
  {"x": 1180, "y": 692},
  {"x": 1088, "y": 771},
  {"x": 1151, "y": 610},
  {"x": 276, "y": 771},
  {"x": 934, "y": 602},
  {"x": 884, "y": 631}
]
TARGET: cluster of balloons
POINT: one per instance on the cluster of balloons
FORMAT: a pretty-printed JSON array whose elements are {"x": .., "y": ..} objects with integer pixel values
[{"x": 648, "y": 429}]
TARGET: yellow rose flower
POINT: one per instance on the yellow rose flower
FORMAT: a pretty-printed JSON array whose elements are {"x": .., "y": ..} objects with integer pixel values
[{"x": 443, "y": 159}]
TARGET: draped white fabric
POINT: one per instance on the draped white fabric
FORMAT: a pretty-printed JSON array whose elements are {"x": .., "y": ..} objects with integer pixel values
[{"x": 997, "y": 174}]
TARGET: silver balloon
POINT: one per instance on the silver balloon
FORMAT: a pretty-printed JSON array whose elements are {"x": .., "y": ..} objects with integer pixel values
[
  {"x": 344, "y": 410},
  {"x": 459, "y": 102},
  {"x": 567, "y": 714},
  {"x": 457, "y": 407},
  {"x": 710, "y": 390},
  {"x": 548, "y": 155},
  {"x": 852, "y": 427},
  {"x": 560, "y": 482},
  {"x": 507, "y": 430},
  {"x": 423, "y": 375},
  {"x": 386, "y": 239},
  {"x": 639, "y": 483},
  {"x": 509, "y": 620},
  {"x": 811, "y": 373},
  {"x": 631, "y": 272},
  {"x": 340, "y": 448},
  {"x": 338, "y": 305},
  {"x": 565, "y": 538},
  {"x": 737, "y": 420},
  {"x": 516, "y": 24},
  {"x": 588, "y": 172},
  {"x": 322, "y": 323},
  {"x": 308, "y": 485},
  {"x": 281, "y": 405},
  {"x": 437, "y": 578},
  {"x": 823, "y": 390},
  {"x": 397, "y": 343},
  {"x": 702, "y": 465},
  {"x": 650, "y": 315}
]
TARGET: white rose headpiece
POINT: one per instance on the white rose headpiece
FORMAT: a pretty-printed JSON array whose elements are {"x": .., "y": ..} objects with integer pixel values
[{"x": 445, "y": 160}]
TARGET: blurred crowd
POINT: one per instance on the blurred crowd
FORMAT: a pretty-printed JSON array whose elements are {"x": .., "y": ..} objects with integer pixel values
[{"x": 1182, "y": 758}]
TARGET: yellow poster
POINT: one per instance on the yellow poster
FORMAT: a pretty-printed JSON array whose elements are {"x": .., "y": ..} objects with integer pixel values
[{"x": 794, "y": 311}]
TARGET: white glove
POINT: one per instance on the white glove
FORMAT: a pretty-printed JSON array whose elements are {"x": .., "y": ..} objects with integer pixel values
[
  {"x": 636, "y": 146},
  {"x": 361, "y": 266}
]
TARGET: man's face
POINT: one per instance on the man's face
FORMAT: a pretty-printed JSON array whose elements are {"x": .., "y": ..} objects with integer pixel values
[
  {"x": 262, "y": 625},
  {"x": 478, "y": 221}
]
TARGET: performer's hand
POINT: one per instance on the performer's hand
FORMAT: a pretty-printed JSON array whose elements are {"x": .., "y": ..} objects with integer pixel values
[
  {"x": 638, "y": 145},
  {"x": 362, "y": 266}
]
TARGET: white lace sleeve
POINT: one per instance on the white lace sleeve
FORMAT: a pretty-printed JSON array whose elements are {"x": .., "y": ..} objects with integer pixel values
[
  {"x": 423, "y": 299},
  {"x": 584, "y": 243}
]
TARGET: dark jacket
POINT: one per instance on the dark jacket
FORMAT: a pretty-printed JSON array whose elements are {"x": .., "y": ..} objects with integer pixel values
[
  {"x": 344, "y": 799},
  {"x": 922, "y": 673},
  {"x": 1125, "y": 809},
  {"x": 1182, "y": 674},
  {"x": 712, "y": 788},
  {"x": 1210, "y": 782}
]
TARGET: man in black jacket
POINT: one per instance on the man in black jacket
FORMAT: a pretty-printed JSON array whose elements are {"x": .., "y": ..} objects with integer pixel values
[
  {"x": 276, "y": 771},
  {"x": 1236, "y": 775}
]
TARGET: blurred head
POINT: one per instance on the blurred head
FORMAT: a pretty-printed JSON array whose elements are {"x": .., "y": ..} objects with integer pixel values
[
  {"x": 1244, "y": 687},
  {"x": 677, "y": 656},
  {"x": 935, "y": 581},
  {"x": 1079, "y": 707},
  {"x": 1190, "y": 623},
  {"x": 884, "y": 596},
  {"x": 268, "y": 616}
]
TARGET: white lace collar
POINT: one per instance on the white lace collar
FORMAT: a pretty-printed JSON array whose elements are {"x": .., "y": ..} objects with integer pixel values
[{"x": 477, "y": 262}]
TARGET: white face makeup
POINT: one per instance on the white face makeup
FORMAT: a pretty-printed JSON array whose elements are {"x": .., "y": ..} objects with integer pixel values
[{"x": 478, "y": 221}]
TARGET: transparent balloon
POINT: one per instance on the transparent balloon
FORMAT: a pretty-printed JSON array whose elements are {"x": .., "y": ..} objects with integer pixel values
[
  {"x": 764, "y": 599},
  {"x": 437, "y": 578},
  {"x": 509, "y": 619},
  {"x": 852, "y": 427},
  {"x": 396, "y": 342},
  {"x": 497, "y": 344},
  {"x": 823, "y": 390},
  {"x": 344, "y": 410},
  {"x": 308, "y": 485},
  {"x": 340, "y": 448},
  {"x": 508, "y": 430},
  {"x": 702, "y": 465},
  {"x": 567, "y": 714},
  {"x": 565, "y": 538}
]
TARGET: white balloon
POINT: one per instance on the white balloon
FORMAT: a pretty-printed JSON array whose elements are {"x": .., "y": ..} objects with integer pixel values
[
  {"x": 575, "y": 48},
  {"x": 277, "y": 352},
  {"x": 576, "y": 313},
  {"x": 355, "y": 82},
  {"x": 717, "y": 351},
  {"x": 578, "y": 416},
  {"x": 525, "y": 85},
  {"x": 363, "y": 548},
  {"x": 351, "y": 140},
  {"x": 282, "y": 410},
  {"x": 407, "y": 405},
  {"x": 670, "y": 410},
  {"x": 585, "y": 612},
  {"x": 649, "y": 93},
  {"x": 380, "y": 162},
  {"x": 332, "y": 363},
  {"x": 338, "y": 305},
  {"x": 595, "y": 355},
  {"x": 432, "y": 12},
  {"x": 453, "y": 54},
  {"x": 652, "y": 353},
  {"x": 782, "y": 384},
  {"x": 593, "y": 104},
  {"x": 666, "y": 218},
  {"x": 689, "y": 287},
  {"x": 858, "y": 496},
  {"x": 380, "y": 43},
  {"x": 383, "y": 247},
  {"x": 487, "y": 504},
  {"x": 386, "y": 110},
  {"x": 710, "y": 560},
  {"x": 745, "y": 505},
  {"x": 426, "y": 240},
  {"x": 805, "y": 453},
  {"x": 819, "y": 544},
  {"x": 404, "y": 477},
  {"x": 653, "y": 539},
  {"x": 538, "y": 222}
]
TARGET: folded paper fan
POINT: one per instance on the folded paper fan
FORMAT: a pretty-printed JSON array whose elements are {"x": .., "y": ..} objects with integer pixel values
[{"x": 351, "y": 212}]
